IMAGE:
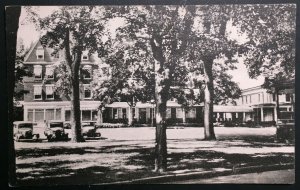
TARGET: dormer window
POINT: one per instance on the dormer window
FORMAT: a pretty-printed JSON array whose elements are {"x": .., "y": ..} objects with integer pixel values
[
  {"x": 37, "y": 70},
  {"x": 85, "y": 56},
  {"x": 40, "y": 53},
  {"x": 50, "y": 71}
]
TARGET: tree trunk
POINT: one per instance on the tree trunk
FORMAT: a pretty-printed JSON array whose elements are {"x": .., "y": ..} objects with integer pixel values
[
  {"x": 161, "y": 136},
  {"x": 12, "y": 25},
  {"x": 209, "y": 133},
  {"x": 75, "y": 101},
  {"x": 73, "y": 66},
  {"x": 161, "y": 96}
]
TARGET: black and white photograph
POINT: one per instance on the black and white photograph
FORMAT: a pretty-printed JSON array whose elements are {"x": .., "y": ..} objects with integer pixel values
[{"x": 151, "y": 94}]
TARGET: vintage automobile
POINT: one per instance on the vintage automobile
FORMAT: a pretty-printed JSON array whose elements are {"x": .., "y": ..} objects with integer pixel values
[
  {"x": 285, "y": 130},
  {"x": 55, "y": 131},
  {"x": 90, "y": 130},
  {"x": 24, "y": 130}
]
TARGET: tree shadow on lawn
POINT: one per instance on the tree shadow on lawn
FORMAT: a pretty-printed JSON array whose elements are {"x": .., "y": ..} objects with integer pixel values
[{"x": 139, "y": 163}]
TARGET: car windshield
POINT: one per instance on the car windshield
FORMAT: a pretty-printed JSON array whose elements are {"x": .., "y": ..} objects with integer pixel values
[
  {"x": 25, "y": 125},
  {"x": 56, "y": 125}
]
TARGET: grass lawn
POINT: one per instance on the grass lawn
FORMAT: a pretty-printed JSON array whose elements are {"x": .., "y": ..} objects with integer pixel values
[{"x": 128, "y": 153}]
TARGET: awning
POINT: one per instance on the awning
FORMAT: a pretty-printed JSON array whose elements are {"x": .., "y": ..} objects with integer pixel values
[
  {"x": 228, "y": 109},
  {"x": 144, "y": 105},
  {"x": 37, "y": 70},
  {"x": 118, "y": 105},
  {"x": 49, "y": 70},
  {"x": 37, "y": 90},
  {"x": 49, "y": 89},
  {"x": 173, "y": 104}
]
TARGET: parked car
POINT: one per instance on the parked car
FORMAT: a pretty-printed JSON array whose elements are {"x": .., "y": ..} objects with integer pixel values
[
  {"x": 285, "y": 130},
  {"x": 24, "y": 130},
  {"x": 67, "y": 125},
  {"x": 90, "y": 130},
  {"x": 55, "y": 131}
]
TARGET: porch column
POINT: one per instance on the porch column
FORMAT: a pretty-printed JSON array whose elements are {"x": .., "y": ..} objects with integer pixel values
[
  {"x": 275, "y": 115},
  {"x": 137, "y": 114},
  {"x": 218, "y": 116},
  {"x": 99, "y": 117},
  {"x": 244, "y": 116},
  {"x": 261, "y": 114},
  {"x": 63, "y": 116},
  {"x": 183, "y": 116},
  {"x": 129, "y": 116},
  {"x": 25, "y": 114}
]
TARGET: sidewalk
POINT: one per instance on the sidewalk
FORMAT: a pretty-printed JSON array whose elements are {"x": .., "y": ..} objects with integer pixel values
[
  {"x": 268, "y": 177},
  {"x": 263, "y": 174}
]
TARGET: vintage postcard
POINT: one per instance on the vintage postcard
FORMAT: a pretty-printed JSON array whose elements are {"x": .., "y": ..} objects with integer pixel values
[{"x": 161, "y": 94}]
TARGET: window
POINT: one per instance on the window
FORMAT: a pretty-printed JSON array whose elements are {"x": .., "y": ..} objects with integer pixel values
[
  {"x": 30, "y": 115},
  {"x": 282, "y": 109},
  {"x": 179, "y": 113},
  {"x": 119, "y": 113},
  {"x": 124, "y": 113},
  {"x": 40, "y": 53},
  {"x": 87, "y": 72},
  {"x": 87, "y": 92},
  {"x": 58, "y": 114},
  {"x": 37, "y": 70},
  {"x": 191, "y": 113},
  {"x": 86, "y": 115},
  {"x": 49, "y": 71},
  {"x": 84, "y": 55},
  {"x": 49, "y": 114},
  {"x": 49, "y": 92},
  {"x": 68, "y": 115},
  {"x": 94, "y": 115},
  {"x": 39, "y": 115},
  {"x": 287, "y": 97},
  {"x": 115, "y": 113},
  {"x": 168, "y": 113},
  {"x": 37, "y": 92}
]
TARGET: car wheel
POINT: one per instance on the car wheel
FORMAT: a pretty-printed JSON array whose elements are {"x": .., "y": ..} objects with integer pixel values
[
  {"x": 50, "y": 139},
  {"x": 98, "y": 134}
]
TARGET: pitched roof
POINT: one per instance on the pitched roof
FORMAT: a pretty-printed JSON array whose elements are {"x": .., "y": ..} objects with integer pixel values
[{"x": 31, "y": 56}]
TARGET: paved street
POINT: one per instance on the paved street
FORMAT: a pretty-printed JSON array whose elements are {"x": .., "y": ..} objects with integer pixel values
[
  {"x": 269, "y": 177},
  {"x": 128, "y": 153},
  {"x": 148, "y": 133}
]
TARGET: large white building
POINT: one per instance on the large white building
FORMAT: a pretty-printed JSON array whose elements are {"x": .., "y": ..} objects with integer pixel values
[{"x": 264, "y": 104}]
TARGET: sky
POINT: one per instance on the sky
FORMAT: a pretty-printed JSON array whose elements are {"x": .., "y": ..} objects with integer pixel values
[{"x": 28, "y": 33}]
